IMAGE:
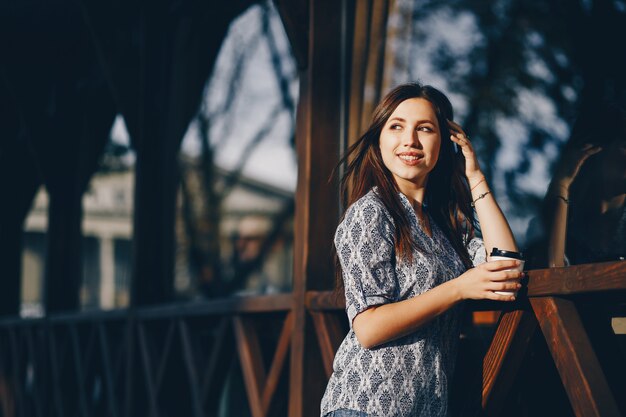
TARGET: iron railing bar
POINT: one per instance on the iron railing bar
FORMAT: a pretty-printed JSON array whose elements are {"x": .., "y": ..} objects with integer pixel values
[
  {"x": 108, "y": 374},
  {"x": 164, "y": 354},
  {"x": 191, "y": 369},
  {"x": 56, "y": 389},
  {"x": 147, "y": 367},
  {"x": 82, "y": 400},
  {"x": 30, "y": 345}
]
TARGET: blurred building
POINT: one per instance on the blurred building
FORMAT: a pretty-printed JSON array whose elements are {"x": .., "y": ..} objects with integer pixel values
[{"x": 247, "y": 218}]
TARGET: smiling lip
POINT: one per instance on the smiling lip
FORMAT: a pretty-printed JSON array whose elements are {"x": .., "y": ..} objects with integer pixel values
[{"x": 410, "y": 158}]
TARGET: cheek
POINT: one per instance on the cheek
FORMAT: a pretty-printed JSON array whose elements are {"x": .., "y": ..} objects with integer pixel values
[{"x": 435, "y": 149}]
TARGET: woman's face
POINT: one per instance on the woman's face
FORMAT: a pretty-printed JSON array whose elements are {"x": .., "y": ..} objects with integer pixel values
[{"x": 410, "y": 142}]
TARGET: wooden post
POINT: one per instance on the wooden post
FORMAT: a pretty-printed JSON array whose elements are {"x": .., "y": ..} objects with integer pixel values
[
  {"x": 317, "y": 137},
  {"x": 580, "y": 371}
]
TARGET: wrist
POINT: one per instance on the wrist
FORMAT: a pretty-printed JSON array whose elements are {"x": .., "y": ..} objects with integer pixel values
[
  {"x": 559, "y": 187},
  {"x": 475, "y": 180},
  {"x": 455, "y": 290},
  {"x": 559, "y": 191}
]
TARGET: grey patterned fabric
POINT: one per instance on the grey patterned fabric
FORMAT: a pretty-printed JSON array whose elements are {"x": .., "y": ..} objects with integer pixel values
[{"x": 408, "y": 376}]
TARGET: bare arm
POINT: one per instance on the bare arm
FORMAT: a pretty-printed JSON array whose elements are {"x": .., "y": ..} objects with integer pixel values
[
  {"x": 559, "y": 191},
  {"x": 493, "y": 225},
  {"x": 386, "y": 322}
]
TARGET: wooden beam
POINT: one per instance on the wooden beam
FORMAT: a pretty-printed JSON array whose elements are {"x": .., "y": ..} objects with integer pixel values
[
  {"x": 360, "y": 50},
  {"x": 318, "y": 130},
  {"x": 329, "y": 336},
  {"x": 273, "y": 377},
  {"x": 373, "y": 82},
  {"x": 325, "y": 300},
  {"x": 219, "y": 362},
  {"x": 504, "y": 358},
  {"x": 251, "y": 363},
  {"x": 577, "y": 279},
  {"x": 583, "y": 379}
]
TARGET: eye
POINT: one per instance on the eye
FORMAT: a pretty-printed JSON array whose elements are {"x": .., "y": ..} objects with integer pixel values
[
  {"x": 425, "y": 128},
  {"x": 395, "y": 126}
]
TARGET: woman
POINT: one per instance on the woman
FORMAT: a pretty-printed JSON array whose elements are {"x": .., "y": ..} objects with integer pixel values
[{"x": 406, "y": 257}]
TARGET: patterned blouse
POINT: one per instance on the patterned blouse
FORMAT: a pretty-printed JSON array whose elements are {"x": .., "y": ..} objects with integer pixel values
[{"x": 408, "y": 376}]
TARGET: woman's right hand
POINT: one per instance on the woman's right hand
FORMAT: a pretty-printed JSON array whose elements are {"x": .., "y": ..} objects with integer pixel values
[{"x": 480, "y": 282}]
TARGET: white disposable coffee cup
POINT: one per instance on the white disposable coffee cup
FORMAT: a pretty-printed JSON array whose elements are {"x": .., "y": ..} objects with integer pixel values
[{"x": 503, "y": 255}]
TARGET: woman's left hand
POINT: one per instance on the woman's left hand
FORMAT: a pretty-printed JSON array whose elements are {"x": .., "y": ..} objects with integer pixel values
[{"x": 472, "y": 169}]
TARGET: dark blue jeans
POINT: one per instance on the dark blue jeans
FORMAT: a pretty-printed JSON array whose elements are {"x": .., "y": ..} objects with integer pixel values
[{"x": 346, "y": 413}]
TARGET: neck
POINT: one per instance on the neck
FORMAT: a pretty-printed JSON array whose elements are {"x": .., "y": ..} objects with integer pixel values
[{"x": 414, "y": 192}]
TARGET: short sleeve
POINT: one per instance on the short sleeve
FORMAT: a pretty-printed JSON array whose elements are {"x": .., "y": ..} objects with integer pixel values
[
  {"x": 364, "y": 242},
  {"x": 477, "y": 251}
]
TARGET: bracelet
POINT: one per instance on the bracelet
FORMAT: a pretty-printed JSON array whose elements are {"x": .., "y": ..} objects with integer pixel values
[
  {"x": 473, "y": 203},
  {"x": 565, "y": 200},
  {"x": 472, "y": 189}
]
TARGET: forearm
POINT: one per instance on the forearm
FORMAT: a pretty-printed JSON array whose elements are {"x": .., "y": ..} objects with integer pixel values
[
  {"x": 493, "y": 225},
  {"x": 558, "y": 230},
  {"x": 387, "y": 322}
]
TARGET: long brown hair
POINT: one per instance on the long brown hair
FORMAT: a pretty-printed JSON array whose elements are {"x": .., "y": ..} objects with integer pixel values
[{"x": 447, "y": 194}]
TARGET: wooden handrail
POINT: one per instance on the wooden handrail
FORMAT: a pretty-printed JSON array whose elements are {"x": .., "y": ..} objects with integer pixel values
[
  {"x": 222, "y": 306},
  {"x": 577, "y": 279}
]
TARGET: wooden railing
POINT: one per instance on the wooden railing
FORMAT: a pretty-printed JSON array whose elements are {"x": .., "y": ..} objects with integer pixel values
[
  {"x": 545, "y": 301},
  {"x": 161, "y": 361},
  {"x": 174, "y": 360}
]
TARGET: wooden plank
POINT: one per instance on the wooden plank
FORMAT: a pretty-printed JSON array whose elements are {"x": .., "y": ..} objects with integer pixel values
[
  {"x": 217, "y": 367},
  {"x": 578, "y": 366},
  {"x": 318, "y": 132},
  {"x": 325, "y": 300},
  {"x": 375, "y": 60},
  {"x": 329, "y": 337},
  {"x": 109, "y": 380},
  {"x": 37, "y": 374},
  {"x": 78, "y": 367},
  {"x": 130, "y": 370},
  {"x": 55, "y": 372},
  {"x": 229, "y": 305},
  {"x": 17, "y": 370},
  {"x": 251, "y": 362},
  {"x": 162, "y": 363},
  {"x": 278, "y": 362},
  {"x": 360, "y": 50},
  {"x": 190, "y": 366},
  {"x": 504, "y": 358},
  {"x": 7, "y": 394},
  {"x": 146, "y": 360},
  {"x": 576, "y": 279}
]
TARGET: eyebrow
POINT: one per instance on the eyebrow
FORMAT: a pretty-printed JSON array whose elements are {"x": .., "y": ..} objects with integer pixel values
[{"x": 400, "y": 119}]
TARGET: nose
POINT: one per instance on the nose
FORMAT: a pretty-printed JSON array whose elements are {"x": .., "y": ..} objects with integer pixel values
[{"x": 411, "y": 139}]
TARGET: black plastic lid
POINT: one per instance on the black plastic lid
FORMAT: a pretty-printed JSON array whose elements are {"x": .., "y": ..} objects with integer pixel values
[{"x": 507, "y": 253}]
